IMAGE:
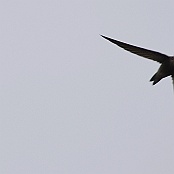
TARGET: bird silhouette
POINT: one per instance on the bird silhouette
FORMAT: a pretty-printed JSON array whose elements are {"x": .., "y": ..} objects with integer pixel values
[{"x": 167, "y": 62}]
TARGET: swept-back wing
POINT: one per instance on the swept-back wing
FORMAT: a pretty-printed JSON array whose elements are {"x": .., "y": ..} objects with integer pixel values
[{"x": 149, "y": 54}]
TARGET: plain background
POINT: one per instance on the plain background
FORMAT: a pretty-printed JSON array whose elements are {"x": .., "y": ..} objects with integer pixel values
[{"x": 73, "y": 103}]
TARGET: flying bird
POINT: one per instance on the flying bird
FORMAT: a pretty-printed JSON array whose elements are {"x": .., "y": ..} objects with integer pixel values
[{"x": 167, "y": 62}]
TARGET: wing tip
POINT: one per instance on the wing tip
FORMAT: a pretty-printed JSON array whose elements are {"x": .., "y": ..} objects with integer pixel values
[
  {"x": 103, "y": 36},
  {"x": 109, "y": 39}
]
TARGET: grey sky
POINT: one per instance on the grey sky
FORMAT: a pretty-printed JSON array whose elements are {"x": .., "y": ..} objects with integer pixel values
[{"x": 73, "y": 103}]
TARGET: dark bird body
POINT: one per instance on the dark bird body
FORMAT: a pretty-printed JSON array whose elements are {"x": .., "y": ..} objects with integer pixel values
[{"x": 167, "y": 62}]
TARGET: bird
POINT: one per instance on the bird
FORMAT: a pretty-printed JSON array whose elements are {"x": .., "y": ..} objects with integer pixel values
[{"x": 167, "y": 62}]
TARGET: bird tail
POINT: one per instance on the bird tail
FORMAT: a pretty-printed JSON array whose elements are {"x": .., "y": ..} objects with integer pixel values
[{"x": 154, "y": 79}]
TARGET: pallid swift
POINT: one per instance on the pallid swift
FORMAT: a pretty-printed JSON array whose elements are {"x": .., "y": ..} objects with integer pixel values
[{"x": 167, "y": 62}]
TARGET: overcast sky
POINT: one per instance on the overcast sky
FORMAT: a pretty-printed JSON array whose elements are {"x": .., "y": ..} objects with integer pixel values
[{"x": 73, "y": 103}]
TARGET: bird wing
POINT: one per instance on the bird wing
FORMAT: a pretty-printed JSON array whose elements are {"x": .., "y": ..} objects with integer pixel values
[{"x": 153, "y": 55}]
